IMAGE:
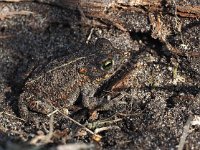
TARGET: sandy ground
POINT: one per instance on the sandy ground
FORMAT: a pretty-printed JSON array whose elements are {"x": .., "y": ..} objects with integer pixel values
[{"x": 159, "y": 98}]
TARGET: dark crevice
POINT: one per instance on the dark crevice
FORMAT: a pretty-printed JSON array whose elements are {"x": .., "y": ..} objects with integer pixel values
[
  {"x": 3, "y": 29},
  {"x": 194, "y": 90},
  {"x": 170, "y": 101},
  {"x": 152, "y": 43}
]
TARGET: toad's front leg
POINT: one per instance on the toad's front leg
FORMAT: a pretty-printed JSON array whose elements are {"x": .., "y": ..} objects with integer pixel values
[
  {"x": 105, "y": 103},
  {"x": 100, "y": 103},
  {"x": 30, "y": 107}
]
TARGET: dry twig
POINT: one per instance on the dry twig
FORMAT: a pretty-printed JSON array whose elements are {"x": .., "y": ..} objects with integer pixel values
[{"x": 13, "y": 13}]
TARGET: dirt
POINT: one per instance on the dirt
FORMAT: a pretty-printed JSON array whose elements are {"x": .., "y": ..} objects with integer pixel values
[{"x": 158, "y": 100}]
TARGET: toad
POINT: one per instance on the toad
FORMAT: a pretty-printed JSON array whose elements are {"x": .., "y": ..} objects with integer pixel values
[{"x": 61, "y": 82}]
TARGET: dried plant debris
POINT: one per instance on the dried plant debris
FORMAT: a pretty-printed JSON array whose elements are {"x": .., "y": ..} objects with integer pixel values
[{"x": 151, "y": 98}]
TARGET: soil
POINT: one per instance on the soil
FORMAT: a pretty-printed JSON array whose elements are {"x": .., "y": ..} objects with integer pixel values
[{"x": 158, "y": 99}]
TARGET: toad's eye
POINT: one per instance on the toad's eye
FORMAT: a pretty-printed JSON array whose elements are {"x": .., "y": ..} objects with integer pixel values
[{"x": 107, "y": 65}]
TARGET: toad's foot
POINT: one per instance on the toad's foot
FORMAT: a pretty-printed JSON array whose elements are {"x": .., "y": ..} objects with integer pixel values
[
  {"x": 102, "y": 104},
  {"x": 29, "y": 108}
]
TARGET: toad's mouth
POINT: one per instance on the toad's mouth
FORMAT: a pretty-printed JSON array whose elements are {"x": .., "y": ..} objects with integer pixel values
[{"x": 121, "y": 73}]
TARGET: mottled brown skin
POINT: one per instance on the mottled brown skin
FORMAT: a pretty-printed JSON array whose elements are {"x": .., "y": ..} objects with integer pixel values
[{"x": 62, "y": 81}]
